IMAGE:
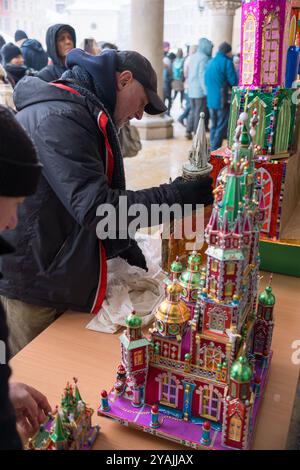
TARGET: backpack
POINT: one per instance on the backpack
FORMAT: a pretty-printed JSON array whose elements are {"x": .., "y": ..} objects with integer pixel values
[{"x": 130, "y": 141}]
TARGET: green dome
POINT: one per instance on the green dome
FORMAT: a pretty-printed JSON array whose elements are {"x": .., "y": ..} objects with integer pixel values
[
  {"x": 176, "y": 266},
  {"x": 241, "y": 370},
  {"x": 134, "y": 321},
  {"x": 267, "y": 297},
  {"x": 189, "y": 277}
]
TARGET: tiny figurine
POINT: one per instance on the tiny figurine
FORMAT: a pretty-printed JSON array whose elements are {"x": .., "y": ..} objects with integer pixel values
[{"x": 70, "y": 428}]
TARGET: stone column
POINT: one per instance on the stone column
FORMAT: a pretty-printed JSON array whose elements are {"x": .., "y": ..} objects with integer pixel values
[
  {"x": 221, "y": 20},
  {"x": 147, "y": 30}
]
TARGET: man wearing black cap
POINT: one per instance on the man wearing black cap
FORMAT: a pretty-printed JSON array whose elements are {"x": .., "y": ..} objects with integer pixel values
[
  {"x": 34, "y": 55},
  {"x": 220, "y": 75},
  {"x": 19, "y": 174},
  {"x": 60, "y": 263}
]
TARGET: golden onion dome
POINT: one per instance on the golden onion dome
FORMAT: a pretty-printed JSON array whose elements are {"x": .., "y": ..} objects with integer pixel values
[{"x": 173, "y": 309}]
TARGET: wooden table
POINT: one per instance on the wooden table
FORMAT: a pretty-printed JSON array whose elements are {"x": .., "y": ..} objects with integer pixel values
[{"x": 66, "y": 349}]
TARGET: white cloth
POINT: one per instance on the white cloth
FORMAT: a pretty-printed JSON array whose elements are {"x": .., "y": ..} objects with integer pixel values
[{"x": 130, "y": 288}]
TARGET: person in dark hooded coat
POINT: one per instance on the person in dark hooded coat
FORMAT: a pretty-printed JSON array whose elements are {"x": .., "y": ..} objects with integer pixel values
[
  {"x": 20, "y": 170},
  {"x": 34, "y": 55},
  {"x": 60, "y": 39},
  {"x": 13, "y": 63}
]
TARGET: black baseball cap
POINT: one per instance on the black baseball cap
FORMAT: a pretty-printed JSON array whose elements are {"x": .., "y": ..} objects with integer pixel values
[{"x": 143, "y": 72}]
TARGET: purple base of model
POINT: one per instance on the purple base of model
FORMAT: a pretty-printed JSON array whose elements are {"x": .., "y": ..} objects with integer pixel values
[{"x": 175, "y": 429}]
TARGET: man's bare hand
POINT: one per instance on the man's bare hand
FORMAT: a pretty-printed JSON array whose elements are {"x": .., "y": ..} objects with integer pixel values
[{"x": 31, "y": 408}]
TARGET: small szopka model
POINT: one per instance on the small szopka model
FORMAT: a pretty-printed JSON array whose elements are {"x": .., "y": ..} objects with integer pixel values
[
  {"x": 198, "y": 166},
  {"x": 70, "y": 427},
  {"x": 199, "y": 377}
]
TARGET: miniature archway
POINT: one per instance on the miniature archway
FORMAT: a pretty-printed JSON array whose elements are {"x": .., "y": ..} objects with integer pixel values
[
  {"x": 270, "y": 49},
  {"x": 283, "y": 127},
  {"x": 235, "y": 428},
  {"x": 233, "y": 118},
  {"x": 249, "y": 50},
  {"x": 267, "y": 184}
]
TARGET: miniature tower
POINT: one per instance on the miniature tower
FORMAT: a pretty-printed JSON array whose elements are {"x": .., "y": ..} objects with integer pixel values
[
  {"x": 238, "y": 405},
  {"x": 135, "y": 355},
  {"x": 176, "y": 270},
  {"x": 264, "y": 324},
  {"x": 198, "y": 166},
  {"x": 59, "y": 436},
  {"x": 190, "y": 281},
  {"x": 171, "y": 319}
]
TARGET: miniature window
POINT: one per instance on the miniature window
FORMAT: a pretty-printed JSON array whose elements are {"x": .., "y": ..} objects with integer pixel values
[
  {"x": 259, "y": 343},
  {"x": 230, "y": 269},
  {"x": 293, "y": 29},
  {"x": 228, "y": 289},
  {"x": 270, "y": 50},
  {"x": 213, "y": 286},
  {"x": 169, "y": 391},
  {"x": 214, "y": 266},
  {"x": 233, "y": 390},
  {"x": 283, "y": 128},
  {"x": 217, "y": 320},
  {"x": 249, "y": 50},
  {"x": 244, "y": 391},
  {"x": 138, "y": 358},
  {"x": 233, "y": 118},
  {"x": 235, "y": 428},
  {"x": 210, "y": 404},
  {"x": 268, "y": 189},
  {"x": 213, "y": 357}
]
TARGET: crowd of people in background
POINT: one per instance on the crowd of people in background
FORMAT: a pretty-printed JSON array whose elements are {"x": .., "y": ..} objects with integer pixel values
[{"x": 204, "y": 83}]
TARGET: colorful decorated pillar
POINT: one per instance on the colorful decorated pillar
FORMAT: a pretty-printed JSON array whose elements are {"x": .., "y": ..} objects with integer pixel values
[{"x": 206, "y": 430}]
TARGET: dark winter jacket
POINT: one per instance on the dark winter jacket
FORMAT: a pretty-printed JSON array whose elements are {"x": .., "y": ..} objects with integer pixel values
[
  {"x": 34, "y": 55},
  {"x": 55, "y": 70},
  {"x": 219, "y": 76},
  {"x": 9, "y": 438},
  {"x": 57, "y": 259}
]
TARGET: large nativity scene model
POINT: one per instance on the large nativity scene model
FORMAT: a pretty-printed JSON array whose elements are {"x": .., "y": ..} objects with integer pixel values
[{"x": 199, "y": 376}]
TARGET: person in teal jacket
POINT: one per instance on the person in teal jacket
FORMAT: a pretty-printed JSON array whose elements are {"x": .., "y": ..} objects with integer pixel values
[
  {"x": 220, "y": 75},
  {"x": 196, "y": 86}
]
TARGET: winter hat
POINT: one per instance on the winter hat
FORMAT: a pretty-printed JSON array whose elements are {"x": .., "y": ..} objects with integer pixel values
[
  {"x": 19, "y": 165},
  {"x": 225, "y": 48},
  {"x": 19, "y": 35},
  {"x": 9, "y": 52}
]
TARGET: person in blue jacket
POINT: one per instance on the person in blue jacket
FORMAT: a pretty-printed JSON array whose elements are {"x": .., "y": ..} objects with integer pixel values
[
  {"x": 220, "y": 75},
  {"x": 196, "y": 88},
  {"x": 34, "y": 55}
]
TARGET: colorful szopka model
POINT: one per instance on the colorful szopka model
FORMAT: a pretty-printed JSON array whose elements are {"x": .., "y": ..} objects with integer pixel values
[
  {"x": 200, "y": 376},
  {"x": 70, "y": 428}
]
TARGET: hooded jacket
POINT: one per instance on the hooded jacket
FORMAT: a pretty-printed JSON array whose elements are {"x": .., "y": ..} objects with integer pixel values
[
  {"x": 197, "y": 65},
  {"x": 34, "y": 55},
  {"x": 55, "y": 70},
  {"x": 220, "y": 74}
]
